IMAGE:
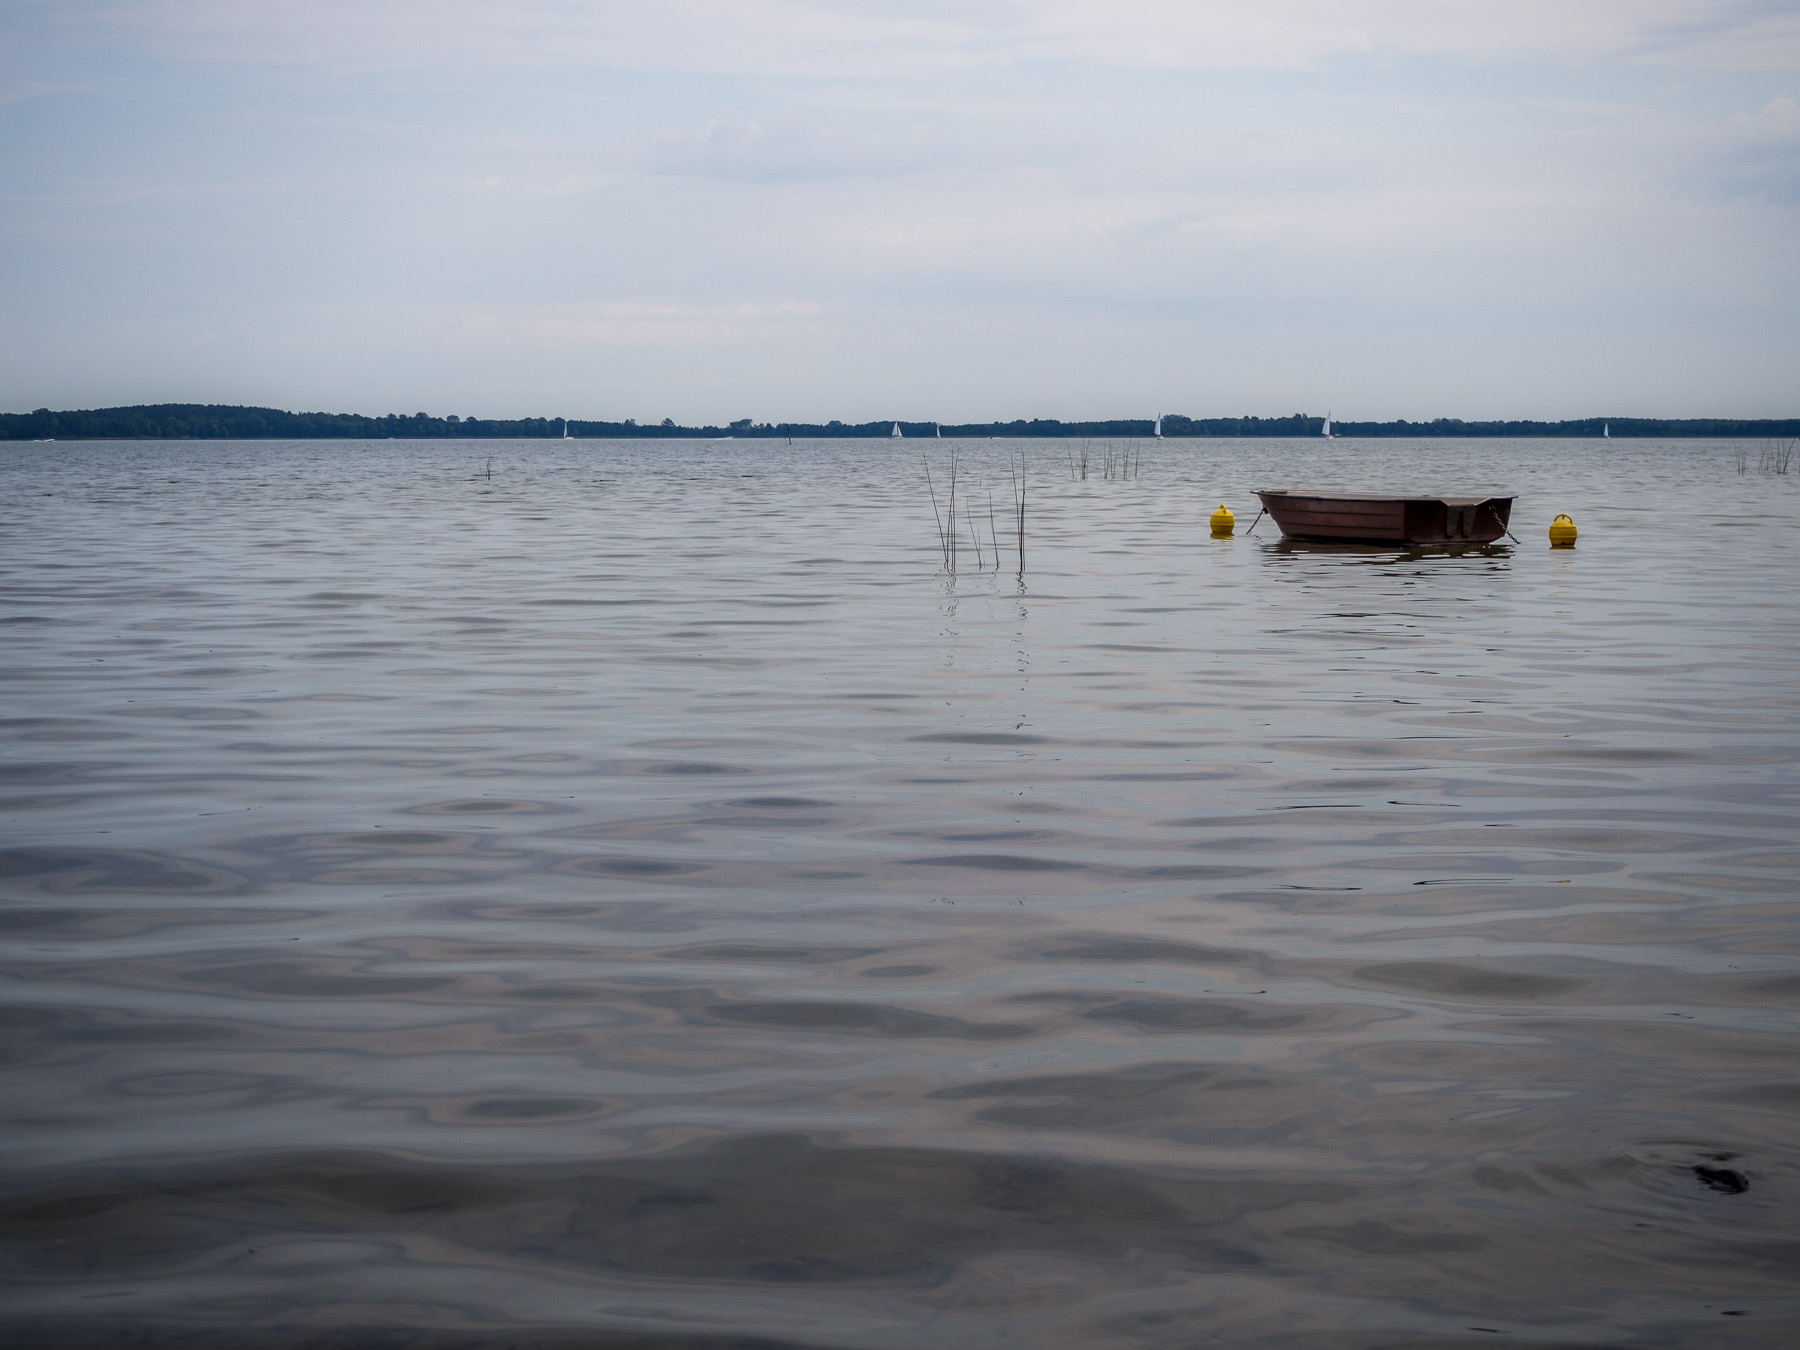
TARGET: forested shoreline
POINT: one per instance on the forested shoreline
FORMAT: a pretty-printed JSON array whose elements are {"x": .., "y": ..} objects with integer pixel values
[{"x": 194, "y": 421}]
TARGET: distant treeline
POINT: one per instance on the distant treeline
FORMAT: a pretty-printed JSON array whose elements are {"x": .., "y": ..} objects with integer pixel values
[{"x": 194, "y": 421}]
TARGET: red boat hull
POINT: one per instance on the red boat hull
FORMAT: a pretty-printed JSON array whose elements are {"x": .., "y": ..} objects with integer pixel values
[{"x": 1372, "y": 519}]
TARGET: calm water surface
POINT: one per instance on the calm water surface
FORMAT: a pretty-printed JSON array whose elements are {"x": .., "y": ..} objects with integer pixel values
[{"x": 641, "y": 900}]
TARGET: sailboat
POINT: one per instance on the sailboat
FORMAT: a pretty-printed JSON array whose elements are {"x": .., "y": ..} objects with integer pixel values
[
  {"x": 566, "y": 434},
  {"x": 940, "y": 429},
  {"x": 895, "y": 433},
  {"x": 1606, "y": 430},
  {"x": 1327, "y": 431},
  {"x": 1158, "y": 430}
]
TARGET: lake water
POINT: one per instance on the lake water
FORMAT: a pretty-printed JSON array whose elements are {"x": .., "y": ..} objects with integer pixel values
[{"x": 640, "y": 899}]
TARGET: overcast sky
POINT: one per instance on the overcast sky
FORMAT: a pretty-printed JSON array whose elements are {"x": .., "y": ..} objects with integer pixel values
[{"x": 807, "y": 209}]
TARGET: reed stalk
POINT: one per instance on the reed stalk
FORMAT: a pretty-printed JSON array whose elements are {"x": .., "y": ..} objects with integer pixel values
[
  {"x": 1016, "y": 471},
  {"x": 936, "y": 516},
  {"x": 951, "y": 514}
]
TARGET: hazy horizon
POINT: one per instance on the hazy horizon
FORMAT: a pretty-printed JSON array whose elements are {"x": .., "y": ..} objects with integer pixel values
[{"x": 705, "y": 211}]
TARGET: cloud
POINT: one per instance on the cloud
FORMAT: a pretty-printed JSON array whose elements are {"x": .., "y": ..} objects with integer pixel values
[
  {"x": 631, "y": 323},
  {"x": 1755, "y": 155},
  {"x": 781, "y": 37},
  {"x": 840, "y": 38},
  {"x": 795, "y": 149},
  {"x": 26, "y": 90},
  {"x": 1753, "y": 34}
]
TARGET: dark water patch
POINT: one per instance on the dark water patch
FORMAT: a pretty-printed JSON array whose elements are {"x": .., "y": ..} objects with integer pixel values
[
  {"x": 1104, "y": 947},
  {"x": 25, "y": 920},
  {"x": 997, "y": 862},
  {"x": 1772, "y": 1096},
  {"x": 982, "y": 738},
  {"x": 318, "y": 978},
  {"x": 42, "y": 773},
  {"x": 1589, "y": 840},
  {"x": 996, "y": 836},
  {"x": 190, "y": 714},
  {"x": 629, "y": 867},
  {"x": 104, "y": 920},
  {"x": 529, "y": 1108},
  {"x": 189, "y": 1084},
  {"x": 406, "y": 841},
  {"x": 769, "y": 819},
  {"x": 860, "y": 1019},
  {"x": 1145, "y": 1082},
  {"x": 626, "y": 916},
  {"x": 146, "y": 1033},
  {"x": 1460, "y": 980},
  {"x": 810, "y": 956},
  {"x": 780, "y": 803},
  {"x": 1191, "y": 872},
  {"x": 556, "y": 993},
  {"x": 1228, "y": 1017},
  {"x": 1374, "y": 1238},
  {"x": 35, "y": 1031},
  {"x": 68, "y": 871},
  {"x": 1779, "y": 990},
  {"x": 754, "y": 1210},
  {"x": 362, "y": 651},
  {"x": 488, "y": 806},
  {"x": 70, "y": 736},
  {"x": 393, "y": 876},
  {"x": 1167, "y": 776},
  {"x": 1723, "y": 882}
]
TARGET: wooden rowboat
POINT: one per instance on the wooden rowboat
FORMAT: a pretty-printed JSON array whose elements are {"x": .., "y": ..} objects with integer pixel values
[{"x": 1371, "y": 518}]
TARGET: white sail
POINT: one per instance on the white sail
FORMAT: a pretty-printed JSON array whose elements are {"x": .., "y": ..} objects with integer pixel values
[
  {"x": 1606, "y": 430},
  {"x": 566, "y": 435},
  {"x": 895, "y": 432},
  {"x": 1159, "y": 426},
  {"x": 1327, "y": 430},
  {"x": 940, "y": 429}
]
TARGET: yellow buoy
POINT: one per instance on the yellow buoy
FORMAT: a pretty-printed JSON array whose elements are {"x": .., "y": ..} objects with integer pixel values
[
  {"x": 1223, "y": 522},
  {"x": 1562, "y": 532}
]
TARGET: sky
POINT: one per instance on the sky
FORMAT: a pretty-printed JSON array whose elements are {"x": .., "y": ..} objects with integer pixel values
[{"x": 798, "y": 210}]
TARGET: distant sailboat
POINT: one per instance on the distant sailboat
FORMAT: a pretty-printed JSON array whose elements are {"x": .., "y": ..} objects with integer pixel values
[
  {"x": 940, "y": 429},
  {"x": 895, "y": 433},
  {"x": 1158, "y": 432},
  {"x": 567, "y": 436},
  {"x": 1606, "y": 430},
  {"x": 1327, "y": 431}
]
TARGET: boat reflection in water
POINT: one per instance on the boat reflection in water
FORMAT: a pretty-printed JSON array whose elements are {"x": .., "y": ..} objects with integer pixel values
[
  {"x": 1368, "y": 517},
  {"x": 1380, "y": 554}
]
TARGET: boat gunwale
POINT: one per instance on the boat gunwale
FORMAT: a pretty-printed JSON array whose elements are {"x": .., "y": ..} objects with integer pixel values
[{"x": 1290, "y": 495}]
